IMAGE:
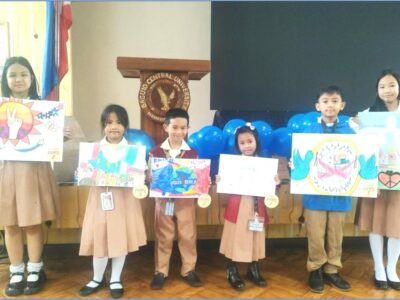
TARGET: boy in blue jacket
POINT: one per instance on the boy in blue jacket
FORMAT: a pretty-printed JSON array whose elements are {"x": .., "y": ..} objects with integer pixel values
[{"x": 325, "y": 215}]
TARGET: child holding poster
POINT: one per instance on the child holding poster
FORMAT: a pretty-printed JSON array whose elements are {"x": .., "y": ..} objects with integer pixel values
[
  {"x": 28, "y": 190},
  {"x": 113, "y": 225},
  {"x": 171, "y": 213},
  {"x": 380, "y": 216},
  {"x": 240, "y": 242},
  {"x": 325, "y": 215}
]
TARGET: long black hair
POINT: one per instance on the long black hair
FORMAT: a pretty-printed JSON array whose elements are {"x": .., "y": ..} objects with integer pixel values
[
  {"x": 379, "y": 105},
  {"x": 5, "y": 89}
]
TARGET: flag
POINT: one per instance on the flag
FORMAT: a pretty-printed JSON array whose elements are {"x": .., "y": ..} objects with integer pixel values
[{"x": 55, "y": 61}]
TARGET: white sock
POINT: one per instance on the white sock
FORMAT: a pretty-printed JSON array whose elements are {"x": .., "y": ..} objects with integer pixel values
[
  {"x": 99, "y": 266},
  {"x": 34, "y": 267},
  {"x": 376, "y": 244},
  {"x": 117, "y": 265},
  {"x": 17, "y": 269},
  {"x": 393, "y": 252}
]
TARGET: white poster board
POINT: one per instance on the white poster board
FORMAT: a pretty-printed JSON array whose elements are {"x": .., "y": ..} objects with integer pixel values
[{"x": 247, "y": 175}]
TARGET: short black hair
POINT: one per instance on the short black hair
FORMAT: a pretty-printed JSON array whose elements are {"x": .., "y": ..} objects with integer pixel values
[
  {"x": 119, "y": 111},
  {"x": 250, "y": 129},
  {"x": 5, "y": 89},
  {"x": 176, "y": 113},
  {"x": 332, "y": 89}
]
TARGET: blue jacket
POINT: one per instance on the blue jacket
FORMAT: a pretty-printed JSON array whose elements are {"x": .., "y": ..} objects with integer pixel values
[{"x": 329, "y": 203}]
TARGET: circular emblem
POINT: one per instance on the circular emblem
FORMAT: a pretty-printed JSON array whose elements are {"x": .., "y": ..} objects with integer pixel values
[
  {"x": 334, "y": 162},
  {"x": 204, "y": 200},
  {"x": 161, "y": 91},
  {"x": 271, "y": 201},
  {"x": 140, "y": 192}
]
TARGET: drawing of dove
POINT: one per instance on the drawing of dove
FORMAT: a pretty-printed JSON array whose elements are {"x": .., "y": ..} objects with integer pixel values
[
  {"x": 368, "y": 168},
  {"x": 301, "y": 167},
  {"x": 164, "y": 98}
]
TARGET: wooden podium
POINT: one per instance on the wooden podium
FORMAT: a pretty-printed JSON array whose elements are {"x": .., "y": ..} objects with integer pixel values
[{"x": 163, "y": 85}]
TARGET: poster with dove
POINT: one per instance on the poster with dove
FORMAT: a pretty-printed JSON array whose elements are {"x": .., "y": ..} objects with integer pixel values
[
  {"x": 179, "y": 177},
  {"x": 111, "y": 165},
  {"x": 334, "y": 164},
  {"x": 31, "y": 130},
  {"x": 383, "y": 128}
]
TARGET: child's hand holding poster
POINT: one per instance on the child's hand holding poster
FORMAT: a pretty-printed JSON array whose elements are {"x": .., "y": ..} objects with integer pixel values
[{"x": 179, "y": 178}]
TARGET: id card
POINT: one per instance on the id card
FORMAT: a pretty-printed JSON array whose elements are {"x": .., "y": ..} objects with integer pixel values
[
  {"x": 256, "y": 224},
  {"x": 107, "y": 202},
  {"x": 169, "y": 208}
]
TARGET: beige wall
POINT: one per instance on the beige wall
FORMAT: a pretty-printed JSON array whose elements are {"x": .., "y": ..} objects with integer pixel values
[{"x": 103, "y": 31}]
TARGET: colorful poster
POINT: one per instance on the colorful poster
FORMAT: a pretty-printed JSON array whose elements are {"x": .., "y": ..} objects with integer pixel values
[
  {"x": 334, "y": 164},
  {"x": 31, "y": 130},
  {"x": 111, "y": 165},
  {"x": 383, "y": 128},
  {"x": 247, "y": 175},
  {"x": 179, "y": 178}
]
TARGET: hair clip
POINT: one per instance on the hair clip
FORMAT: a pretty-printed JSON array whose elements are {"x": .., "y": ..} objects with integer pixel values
[{"x": 248, "y": 124}]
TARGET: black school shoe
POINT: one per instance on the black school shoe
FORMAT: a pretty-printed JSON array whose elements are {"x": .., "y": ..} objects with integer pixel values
[
  {"x": 253, "y": 273},
  {"x": 116, "y": 293},
  {"x": 193, "y": 279},
  {"x": 16, "y": 288},
  {"x": 87, "y": 290},
  {"x": 158, "y": 281},
  {"x": 33, "y": 287},
  {"x": 316, "y": 281},
  {"x": 381, "y": 284},
  {"x": 337, "y": 281}
]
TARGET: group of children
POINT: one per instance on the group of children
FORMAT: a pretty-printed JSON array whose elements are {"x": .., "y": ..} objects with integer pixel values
[{"x": 28, "y": 197}]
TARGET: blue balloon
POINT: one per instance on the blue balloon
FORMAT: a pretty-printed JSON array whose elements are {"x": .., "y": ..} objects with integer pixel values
[
  {"x": 281, "y": 142},
  {"x": 295, "y": 123},
  {"x": 194, "y": 142},
  {"x": 313, "y": 116},
  {"x": 139, "y": 137},
  {"x": 231, "y": 126},
  {"x": 229, "y": 135},
  {"x": 264, "y": 133},
  {"x": 210, "y": 141}
]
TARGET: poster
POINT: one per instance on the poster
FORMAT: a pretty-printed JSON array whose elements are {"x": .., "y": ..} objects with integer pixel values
[
  {"x": 111, "y": 165},
  {"x": 31, "y": 130},
  {"x": 179, "y": 178},
  {"x": 383, "y": 128},
  {"x": 247, "y": 175},
  {"x": 334, "y": 164}
]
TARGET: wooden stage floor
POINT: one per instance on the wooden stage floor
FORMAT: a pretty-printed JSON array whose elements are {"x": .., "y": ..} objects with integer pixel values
[{"x": 284, "y": 270}]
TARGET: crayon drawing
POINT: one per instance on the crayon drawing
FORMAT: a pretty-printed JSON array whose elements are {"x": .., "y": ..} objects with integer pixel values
[
  {"x": 334, "y": 164},
  {"x": 179, "y": 178},
  {"x": 31, "y": 130}
]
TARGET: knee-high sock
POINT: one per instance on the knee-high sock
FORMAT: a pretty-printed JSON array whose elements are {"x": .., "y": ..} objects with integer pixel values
[
  {"x": 99, "y": 266},
  {"x": 376, "y": 244},
  {"x": 117, "y": 265},
  {"x": 393, "y": 252}
]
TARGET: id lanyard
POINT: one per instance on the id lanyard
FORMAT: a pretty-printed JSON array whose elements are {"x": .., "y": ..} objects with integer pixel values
[
  {"x": 256, "y": 223},
  {"x": 170, "y": 203}
]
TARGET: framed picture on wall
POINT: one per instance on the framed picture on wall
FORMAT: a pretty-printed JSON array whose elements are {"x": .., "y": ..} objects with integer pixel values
[{"x": 4, "y": 44}]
